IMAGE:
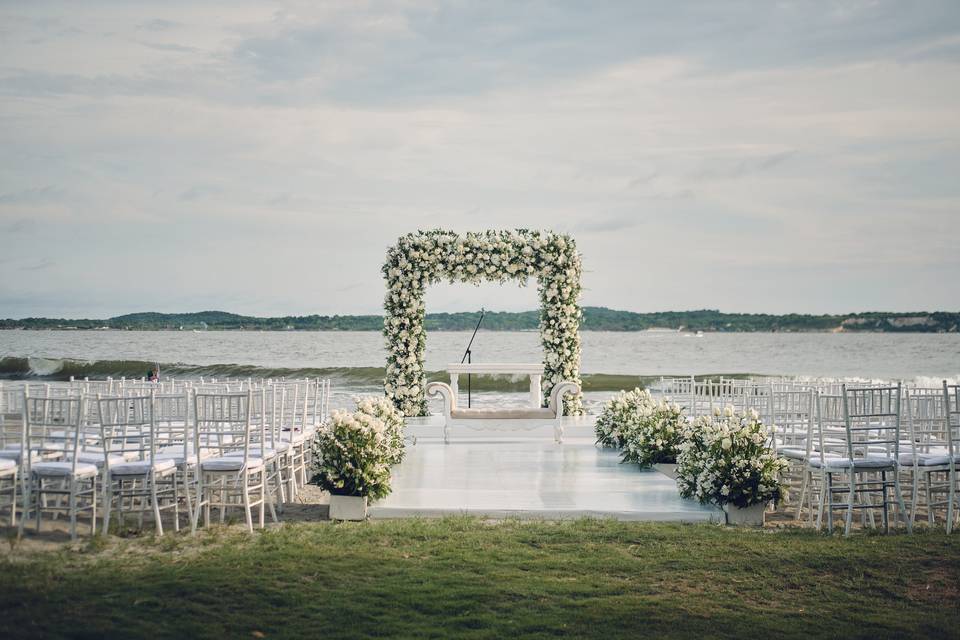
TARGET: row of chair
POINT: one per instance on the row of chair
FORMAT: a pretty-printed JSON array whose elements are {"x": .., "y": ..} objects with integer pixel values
[
  {"x": 144, "y": 447},
  {"x": 851, "y": 446}
]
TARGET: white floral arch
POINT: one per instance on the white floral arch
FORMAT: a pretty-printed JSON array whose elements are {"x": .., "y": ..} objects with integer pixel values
[{"x": 428, "y": 257}]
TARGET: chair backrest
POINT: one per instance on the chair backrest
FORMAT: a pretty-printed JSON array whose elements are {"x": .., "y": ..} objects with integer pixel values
[
  {"x": 11, "y": 414},
  {"x": 222, "y": 422},
  {"x": 872, "y": 417},
  {"x": 171, "y": 414},
  {"x": 951, "y": 411},
  {"x": 831, "y": 430},
  {"x": 793, "y": 413},
  {"x": 924, "y": 415},
  {"x": 679, "y": 390},
  {"x": 52, "y": 427},
  {"x": 127, "y": 427}
]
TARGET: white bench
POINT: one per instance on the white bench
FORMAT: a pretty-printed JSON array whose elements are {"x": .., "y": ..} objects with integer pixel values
[{"x": 503, "y": 419}]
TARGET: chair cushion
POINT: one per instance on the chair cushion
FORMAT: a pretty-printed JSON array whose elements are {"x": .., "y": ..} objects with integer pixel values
[
  {"x": 7, "y": 454},
  {"x": 175, "y": 453},
  {"x": 927, "y": 459},
  {"x": 142, "y": 467},
  {"x": 295, "y": 437},
  {"x": 47, "y": 446},
  {"x": 97, "y": 458},
  {"x": 255, "y": 452},
  {"x": 230, "y": 463},
  {"x": 869, "y": 462},
  {"x": 793, "y": 453},
  {"x": 64, "y": 469},
  {"x": 7, "y": 465},
  {"x": 179, "y": 459}
]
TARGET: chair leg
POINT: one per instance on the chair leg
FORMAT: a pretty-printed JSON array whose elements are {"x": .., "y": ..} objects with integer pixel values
[
  {"x": 13, "y": 501},
  {"x": 93, "y": 505},
  {"x": 40, "y": 500},
  {"x": 73, "y": 510},
  {"x": 175, "y": 487},
  {"x": 195, "y": 516},
  {"x": 914, "y": 493},
  {"x": 246, "y": 504},
  {"x": 829, "y": 502},
  {"x": 273, "y": 511},
  {"x": 107, "y": 505},
  {"x": 25, "y": 512},
  {"x": 853, "y": 491},
  {"x": 903, "y": 508},
  {"x": 803, "y": 495},
  {"x": 186, "y": 494},
  {"x": 883, "y": 493},
  {"x": 263, "y": 500},
  {"x": 951, "y": 496},
  {"x": 152, "y": 479}
]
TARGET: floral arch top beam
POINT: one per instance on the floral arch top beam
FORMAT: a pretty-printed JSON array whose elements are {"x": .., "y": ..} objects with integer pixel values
[{"x": 429, "y": 257}]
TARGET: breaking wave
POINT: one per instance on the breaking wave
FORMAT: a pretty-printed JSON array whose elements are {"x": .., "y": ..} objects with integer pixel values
[{"x": 60, "y": 369}]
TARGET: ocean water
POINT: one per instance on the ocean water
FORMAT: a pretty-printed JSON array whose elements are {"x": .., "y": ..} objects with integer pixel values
[{"x": 611, "y": 360}]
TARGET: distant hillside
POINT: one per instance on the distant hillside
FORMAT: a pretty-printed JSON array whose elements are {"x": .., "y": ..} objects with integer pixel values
[{"x": 595, "y": 319}]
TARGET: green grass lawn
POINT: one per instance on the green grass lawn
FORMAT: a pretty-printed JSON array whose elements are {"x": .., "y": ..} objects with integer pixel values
[{"x": 466, "y": 578}]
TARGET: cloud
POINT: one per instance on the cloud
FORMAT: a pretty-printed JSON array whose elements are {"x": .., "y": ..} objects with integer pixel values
[
  {"x": 158, "y": 24},
  {"x": 704, "y": 141},
  {"x": 19, "y": 226},
  {"x": 48, "y": 193},
  {"x": 42, "y": 265}
]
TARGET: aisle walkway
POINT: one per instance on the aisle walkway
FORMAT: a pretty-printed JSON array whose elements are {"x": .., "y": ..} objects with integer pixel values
[{"x": 531, "y": 478}]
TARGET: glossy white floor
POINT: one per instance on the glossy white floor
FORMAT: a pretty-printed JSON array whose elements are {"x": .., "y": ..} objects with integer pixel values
[{"x": 508, "y": 475}]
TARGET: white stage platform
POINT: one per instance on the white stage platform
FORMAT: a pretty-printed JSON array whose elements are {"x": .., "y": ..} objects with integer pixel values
[{"x": 528, "y": 476}]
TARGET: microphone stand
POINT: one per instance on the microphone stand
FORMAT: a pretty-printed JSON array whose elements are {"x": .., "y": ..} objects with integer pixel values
[{"x": 468, "y": 353}]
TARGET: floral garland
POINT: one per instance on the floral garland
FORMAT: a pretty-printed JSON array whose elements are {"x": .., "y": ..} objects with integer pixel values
[
  {"x": 428, "y": 257},
  {"x": 726, "y": 459}
]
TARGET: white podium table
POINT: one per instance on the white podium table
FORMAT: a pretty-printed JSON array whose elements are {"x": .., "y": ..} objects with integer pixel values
[{"x": 534, "y": 371}]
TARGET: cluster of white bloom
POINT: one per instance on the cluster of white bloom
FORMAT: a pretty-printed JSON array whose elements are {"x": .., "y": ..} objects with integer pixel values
[
  {"x": 648, "y": 431},
  {"x": 428, "y": 257},
  {"x": 353, "y": 452},
  {"x": 726, "y": 459}
]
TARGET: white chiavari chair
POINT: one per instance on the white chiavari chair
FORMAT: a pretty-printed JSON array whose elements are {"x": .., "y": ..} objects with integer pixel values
[
  {"x": 266, "y": 444},
  {"x": 53, "y": 428},
  {"x": 793, "y": 415},
  {"x": 128, "y": 430},
  {"x": 223, "y": 425},
  {"x": 924, "y": 451},
  {"x": 175, "y": 442},
  {"x": 865, "y": 463}
]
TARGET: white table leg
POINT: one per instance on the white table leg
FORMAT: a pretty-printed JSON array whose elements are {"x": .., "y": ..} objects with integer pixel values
[
  {"x": 455, "y": 386},
  {"x": 536, "y": 397}
]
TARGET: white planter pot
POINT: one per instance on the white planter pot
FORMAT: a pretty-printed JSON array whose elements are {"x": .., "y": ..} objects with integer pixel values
[
  {"x": 667, "y": 469},
  {"x": 348, "y": 507},
  {"x": 751, "y": 516}
]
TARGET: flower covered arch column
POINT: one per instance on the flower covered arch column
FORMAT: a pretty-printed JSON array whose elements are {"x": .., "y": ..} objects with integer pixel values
[{"x": 429, "y": 257}]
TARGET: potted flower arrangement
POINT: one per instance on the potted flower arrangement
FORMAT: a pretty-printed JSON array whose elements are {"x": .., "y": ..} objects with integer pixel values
[
  {"x": 353, "y": 454},
  {"x": 725, "y": 459},
  {"x": 647, "y": 431}
]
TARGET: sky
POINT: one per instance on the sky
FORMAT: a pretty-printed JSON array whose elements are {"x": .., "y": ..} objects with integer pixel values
[{"x": 261, "y": 157}]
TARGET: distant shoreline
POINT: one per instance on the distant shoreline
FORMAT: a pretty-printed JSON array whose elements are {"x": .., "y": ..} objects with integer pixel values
[{"x": 594, "y": 319}]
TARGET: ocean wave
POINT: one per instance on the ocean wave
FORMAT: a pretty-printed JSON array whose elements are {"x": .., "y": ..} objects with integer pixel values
[
  {"x": 361, "y": 378},
  {"x": 60, "y": 369}
]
